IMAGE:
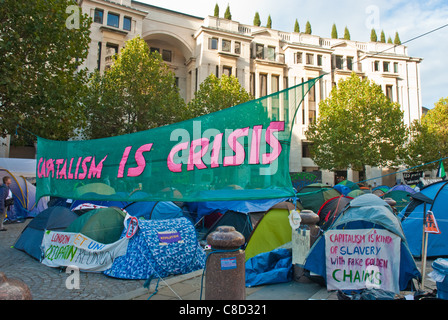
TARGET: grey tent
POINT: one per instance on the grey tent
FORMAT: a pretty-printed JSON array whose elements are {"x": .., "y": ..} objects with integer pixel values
[{"x": 53, "y": 218}]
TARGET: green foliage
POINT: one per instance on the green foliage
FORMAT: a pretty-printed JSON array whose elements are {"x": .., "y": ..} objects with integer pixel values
[
  {"x": 346, "y": 34},
  {"x": 296, "y": 26},
  {"x": 215, "y": 94},
  {"x": 257, "y": 21},
  {"x": 308, "y": 28},
  {"x": 429, "y": 137},
  {"x": 357, "y": 126},
  {"x": 227, "y": 14},
  {"x": 137, "y": 93},
  {"x": 334, "y": 32},
  {"x": 382, "y": 37},
  {"x": 389, "y": 40},
  {"x": 269, "y": 23},
  {"x": 397, "y": 40},
  {"x": 216, "y": 12},
  {"x": 373, "y": 36},
  {"x": 40, "y": 79}
]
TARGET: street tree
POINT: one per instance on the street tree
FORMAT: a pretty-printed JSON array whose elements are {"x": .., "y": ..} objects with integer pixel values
[
  {"x": 429, "y": 137},
  {"x": 357, "y": 126},
  {"x": 136, "y": 93},
  {"x": 43, "y": 45},
  {"x": 215, "y": 94}
]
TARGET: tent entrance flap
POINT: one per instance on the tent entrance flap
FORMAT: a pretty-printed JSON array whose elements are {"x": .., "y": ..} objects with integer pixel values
[{"x": 237, "y": 153}]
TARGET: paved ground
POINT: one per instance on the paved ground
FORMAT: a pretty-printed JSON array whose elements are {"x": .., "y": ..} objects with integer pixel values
[{"x": 48, "y": 283}]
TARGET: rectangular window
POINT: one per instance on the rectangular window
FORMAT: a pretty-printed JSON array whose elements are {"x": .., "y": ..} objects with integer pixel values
[
  {"x": 271, "y": 53},
  {"x": 167, "y": 55},
  {"x": 226, "y": 44},
  {"x": 100, "y": 45},
  {"x": 113, "y": 20},
  {"x": 263, "y": 85},
  {"x": 319, "y": 60},
  {"x": 98, "y": 16},
  {"x": 298, "y": 56},
  {"x": 339, "y": 62},
  {"x": 213, "y": 44},
  {"x": 376, "y": 66},
  {"x": 237, "y": 47},
  {"x": 227, "y": 71},
  {"x": 385, "y": 66},
  {"x": 127, "y": 23},
  {"x": 259, "y": 52},
  {"x": 395, "y": 67},
  {"x": 350, "y": 63},
  {"x": 310, "y": 58},
  {"x": 152, "y": 49},
  {"x": 389, "y": 93}
]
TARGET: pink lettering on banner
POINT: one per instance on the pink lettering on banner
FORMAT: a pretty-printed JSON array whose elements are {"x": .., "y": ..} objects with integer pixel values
[
  {"x": 84, "y": 168},
  {"x": 195, "y": 158},
  {"x": 123, "y": 161},
  {"x": 172, "y": 166},
  {"x": 95, "y": 170},
  {"x": 217, "y": 143},
  {"x": 77, "y": 167},
  {"x": 49, "y": 165},
  {"x": 239, "y": 156},
  {"x": 275, "y": 126},
  {"x": 140, "y": 159},
  {"x": 70, "y": 174},
  {"x": 254, "y": 157},
  {"x": 63, "y": 170}
]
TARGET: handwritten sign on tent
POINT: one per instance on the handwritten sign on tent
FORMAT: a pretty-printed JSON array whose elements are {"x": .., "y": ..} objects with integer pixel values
[
  {"x": 362, "y": 258},
  {"x": 431, "y": 223},
  {"x": 237, "y": 153}
]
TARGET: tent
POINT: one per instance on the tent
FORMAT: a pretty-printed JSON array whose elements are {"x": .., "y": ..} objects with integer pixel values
[
  {"x": 95, "y": 189},
  {"x": 350, "y": 184},
  {"x": 367, "y": 212},
  {"x": 272, "y": 231},
  {"x": 403, "y": 187},
  {"x": 314, "y": 200},
  {"x": 103, "y": 225},
  {"x": 331, "y": 209},
  {"x": 355, "y": 193},
  {"x": 433, "y": 197},
  {"x": 53, "y": 218},
  {"x": 154, "y": 210},
  {"x": 158, "y": 249},
  {"x": 402, "y": 198},
  {"x": 24, "y": 194}
]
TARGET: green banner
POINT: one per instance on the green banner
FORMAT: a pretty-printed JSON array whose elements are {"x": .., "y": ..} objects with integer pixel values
[{"x": 237, "y": 153}]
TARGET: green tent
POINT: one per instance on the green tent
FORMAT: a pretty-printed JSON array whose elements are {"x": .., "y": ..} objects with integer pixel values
[
  {"x": 355, "y": 193},
  {"x": 104, "y": 225},
  {"x": 314, "y": 200},
  {"x": 400, "y": 196},
  {"x": 349, "y": 184},
  {"x": 272, "y": 231}
]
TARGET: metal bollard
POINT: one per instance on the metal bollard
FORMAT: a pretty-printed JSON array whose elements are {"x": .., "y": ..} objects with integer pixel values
[
  {"x": 303, "y": 239},
  {"x": 13, "y": 289},
  {"x": 225, "y": 275}
]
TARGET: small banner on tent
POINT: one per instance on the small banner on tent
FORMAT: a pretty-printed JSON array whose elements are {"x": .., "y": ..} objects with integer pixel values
[
  {"x": 237, "y": 153},
  {"x": 75, "y": 249},
  {"x": 431, "y": 224},
  {"x": 362, "y": 258}
]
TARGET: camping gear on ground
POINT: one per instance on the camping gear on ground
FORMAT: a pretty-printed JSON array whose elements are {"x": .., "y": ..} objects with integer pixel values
[
  {"x": 314, "y": 200},
  {"x": 368, "y": 294},
  {"x": 330, "y": 210},
  {"x": 24, "y": 195},
  {"x": 53, "y": 218},
  {"x": 367, "y": 222},
  {"x": 154, "y": 210},
  {"x": 269, "y": 267},
  {"x": 439, "y": 275},
  {"x": 224, "y": 267},
  {"x": 272, "y": 231},
  {"x": 434, "y": 198},
  {"x": 104, "y": 225},
  {"x": 158, "y": 249}
]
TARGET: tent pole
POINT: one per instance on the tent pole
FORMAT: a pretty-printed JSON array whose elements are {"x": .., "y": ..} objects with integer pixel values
[
  {"x": 424, "y": 245},
  {"x": 424, "y": 261}
]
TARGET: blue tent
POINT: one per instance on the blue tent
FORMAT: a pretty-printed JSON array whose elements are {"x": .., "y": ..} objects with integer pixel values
[
  {"x": 366, "y": 212},
  {"x": 54, "y": 218},
  {"x": 158, "y": 249},
  {"x": 154, "y": 210},
  {"x": 433, "y": 197}
]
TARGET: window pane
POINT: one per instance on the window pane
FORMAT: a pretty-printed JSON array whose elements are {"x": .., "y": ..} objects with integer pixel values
[
  {"x": 226, "y": 45},
  {"x": 299, "y": 57},
  {"x": 350, "y": 63},
  {"x": 113, "y": 20},
  {"x": 127, "y": 23},
  {"x": 166, "y": 55},
  {"x": 309, "y": 58},
  {"x": 260, "y": 51},
  {"x": 271, "y": 53},
  {"x": 98, "y": 17},
  {"x": 213, "y": 44},
  {"x": 237, "y": 47}
]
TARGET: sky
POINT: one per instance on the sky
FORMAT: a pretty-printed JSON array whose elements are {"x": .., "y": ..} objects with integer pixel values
[{"x": 410, "y": 18}]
